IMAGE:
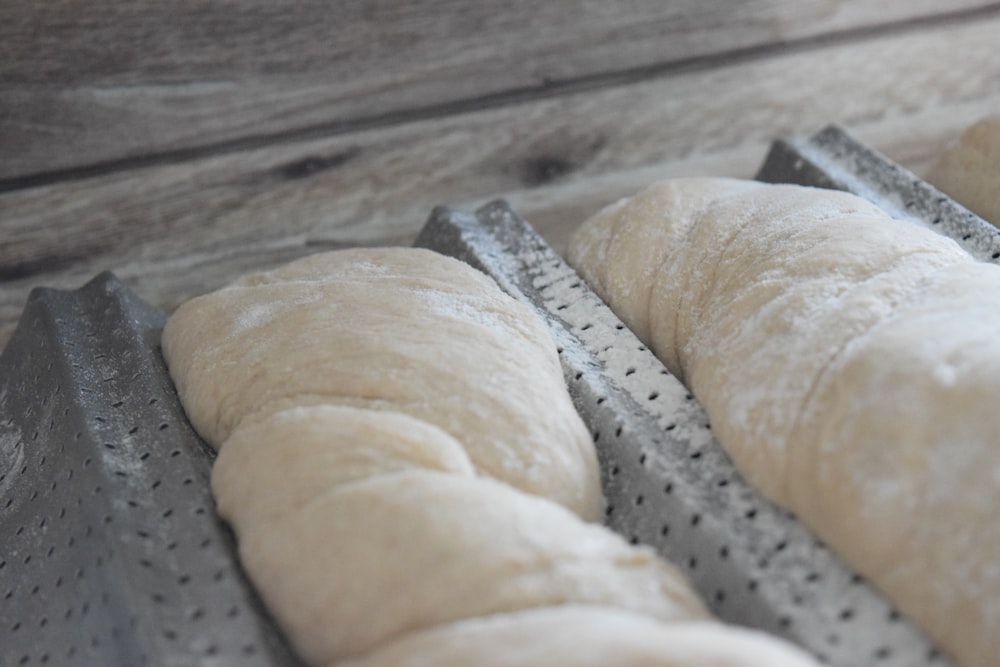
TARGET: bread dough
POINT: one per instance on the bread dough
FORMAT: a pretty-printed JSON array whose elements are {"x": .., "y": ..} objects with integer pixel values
[
  {"x": 753, "y": 294},
  {"x": 370, "y": 560},
  {"x": 398, "y": 456},
  {"x": 582, "y": 636},
  {"x": 969, "y": 169},
  {"x": 273, "y": 466},
  {"x": 844, "y": 360},
  {"x": 930, "y": 489},
  {"x": 395, "y": 329},
  {"x": 622, "y": 258}
]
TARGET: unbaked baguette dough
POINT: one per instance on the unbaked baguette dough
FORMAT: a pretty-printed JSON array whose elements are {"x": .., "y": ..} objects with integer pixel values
[
  {"x": 370, "y": 560},
  {"x": 315, "y": 449},
  {"x": 398, "y": 457},
  {"x": 397, "y": 329},
  {"x": 582, "y": 636},
  {"x": 849, "y": 364},
  {"x": 969, "y": 169}
]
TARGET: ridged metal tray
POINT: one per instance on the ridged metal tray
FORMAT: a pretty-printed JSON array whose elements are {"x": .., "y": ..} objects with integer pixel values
[
  {"x": 112, "y": 553},
  {"x": 833, "y": 159},
  {"x": 668, "y": 483}
]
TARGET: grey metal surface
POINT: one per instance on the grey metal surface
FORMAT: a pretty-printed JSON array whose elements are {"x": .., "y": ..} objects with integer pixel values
[
  {"x": 111, "y": 553},
  {"x": 833, "y": 159},
  {"x": 667, "y": 481}
]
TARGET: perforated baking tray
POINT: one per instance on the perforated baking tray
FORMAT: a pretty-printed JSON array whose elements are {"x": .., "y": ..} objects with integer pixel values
[
  {"x": 833, "y": 159},
  {"x": 112, "y": 553},
  {"x": 668, "y": 483}
]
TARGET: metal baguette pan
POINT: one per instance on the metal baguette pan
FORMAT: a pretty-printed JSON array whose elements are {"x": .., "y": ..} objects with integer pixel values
[
  {"x": 833, "y": 159},
  {"x": 112, "y": 553},
  {"x": 667, "y": 481}
]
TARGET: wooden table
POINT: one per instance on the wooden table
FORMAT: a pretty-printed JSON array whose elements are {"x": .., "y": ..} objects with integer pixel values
[{"x": 180, "y": 144}]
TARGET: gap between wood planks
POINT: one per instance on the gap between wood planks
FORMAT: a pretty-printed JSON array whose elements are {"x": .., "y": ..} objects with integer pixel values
[{"x": 500, "y": 99}]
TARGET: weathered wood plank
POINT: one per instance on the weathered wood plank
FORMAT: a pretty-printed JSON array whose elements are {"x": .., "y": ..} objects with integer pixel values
[
  {"x": 92, "y": 85},
  {"x": 177, "y": 230}
]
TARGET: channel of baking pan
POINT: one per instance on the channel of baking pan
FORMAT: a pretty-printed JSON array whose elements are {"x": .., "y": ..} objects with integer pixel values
[
  {"x": 111, "y": 553},
  {"x": 667, "y": 481},
  {"x": 833, "y": 159}
]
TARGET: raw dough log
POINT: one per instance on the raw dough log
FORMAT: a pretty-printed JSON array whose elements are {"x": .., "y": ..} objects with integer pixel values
[
  {"x": 849, "y": 364},
  {"x": 969, "y": 169},
  {"x": 370, "y": 560},
  {"x": 313, "y": 450},
  {"x": 598, "y": 637},
  {"x": 357, "y": 398},
  {"x": 397, "y": 329}
]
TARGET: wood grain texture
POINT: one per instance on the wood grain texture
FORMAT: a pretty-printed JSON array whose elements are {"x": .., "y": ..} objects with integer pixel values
[
  {"x": 90, "y": 87},
  {"x": 177, "y": 230}
]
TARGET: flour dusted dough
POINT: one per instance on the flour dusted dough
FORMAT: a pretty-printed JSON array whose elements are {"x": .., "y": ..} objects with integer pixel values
[
  {"x": 373, "y": 559},
  {"x": 396, "y": 329},
  {"x": 969, "y": 169},
  {"x": 375, "y": 412},
  {"x": 582, "y": 636},
  {"x": 273, "y": 466},
  {"x": 849, "y": 364}
]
